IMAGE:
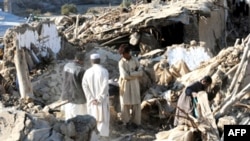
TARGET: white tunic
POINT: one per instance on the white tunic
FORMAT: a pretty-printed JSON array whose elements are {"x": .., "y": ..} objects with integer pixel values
[
  {"x": 129, "y": 81},
  {"x": 95, "y": 86}
]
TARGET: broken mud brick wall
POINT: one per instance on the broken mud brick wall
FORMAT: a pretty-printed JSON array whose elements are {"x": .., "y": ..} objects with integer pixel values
[
  {"x": 166, "y": 24},
  {"x": 201, "y": 25},
  {"x": 40, "y": 42},
  {"x": 211, "y": 30},
  {"x": 26, "y": 48}
]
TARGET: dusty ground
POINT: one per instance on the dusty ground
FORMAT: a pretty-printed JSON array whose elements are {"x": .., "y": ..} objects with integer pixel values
[
  {"x": 145, "y": 133},
  {"x": 148, "y": 130},
  {"x": 151, "y": 125}
]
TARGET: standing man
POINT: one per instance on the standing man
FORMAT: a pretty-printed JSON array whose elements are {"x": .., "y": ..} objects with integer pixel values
[
  {"x": 72, "y": 89},
  {"x": 95, "y": 85},
  {"x": 130, "y": 98},
  {"x": 188, "y": 100}
]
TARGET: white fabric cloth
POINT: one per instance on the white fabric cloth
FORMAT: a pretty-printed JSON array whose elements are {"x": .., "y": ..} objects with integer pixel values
[
  {"x": 95, "y": 56},
  {"x": 71, "y": 110},
  {"x": 95, "y": 86}
]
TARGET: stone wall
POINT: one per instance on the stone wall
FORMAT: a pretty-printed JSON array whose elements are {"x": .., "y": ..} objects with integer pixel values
[{"x": 48, "y": 86}]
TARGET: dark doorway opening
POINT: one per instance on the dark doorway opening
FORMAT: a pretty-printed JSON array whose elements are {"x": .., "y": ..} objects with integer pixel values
[
  {"x": 172, "y": 34},
  {"x": 148, "y": 1}
]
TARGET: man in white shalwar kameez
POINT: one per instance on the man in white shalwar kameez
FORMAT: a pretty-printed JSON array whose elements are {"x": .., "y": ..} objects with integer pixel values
[{"x": 95, "y": 86}]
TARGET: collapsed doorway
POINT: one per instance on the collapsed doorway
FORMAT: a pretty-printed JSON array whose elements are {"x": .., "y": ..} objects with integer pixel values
[{"x": 172, "y": 34}]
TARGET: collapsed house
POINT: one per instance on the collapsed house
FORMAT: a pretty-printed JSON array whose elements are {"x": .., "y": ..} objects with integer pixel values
[
  {"x": 159, "y": 25},
  {"x": 35, "y": 54}
]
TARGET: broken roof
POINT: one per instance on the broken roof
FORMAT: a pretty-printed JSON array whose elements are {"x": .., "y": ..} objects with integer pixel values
[
  {"x": 115, "y": 23},
  {"x": 157, "y": 14}
]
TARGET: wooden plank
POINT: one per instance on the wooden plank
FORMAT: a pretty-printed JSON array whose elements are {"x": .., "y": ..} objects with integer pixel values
[
  {"x": 207, "y": 117},
  {"x": 25, "y": 87}
]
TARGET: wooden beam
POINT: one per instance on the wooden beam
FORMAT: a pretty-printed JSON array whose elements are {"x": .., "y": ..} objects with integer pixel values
[
  {"x": 25, "y": 87},
  {"x": 207, "y": 117}
]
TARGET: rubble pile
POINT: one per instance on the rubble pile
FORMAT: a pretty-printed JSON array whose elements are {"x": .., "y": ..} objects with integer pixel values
[
  {"x": 150, "y": 21},
  {"x": 20, "y": 125},
  {"x": 167, "y": 69},
  {"x": 223, "y": 68}
]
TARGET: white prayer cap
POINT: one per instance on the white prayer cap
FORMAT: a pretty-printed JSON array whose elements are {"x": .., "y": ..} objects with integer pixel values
[{"x": 94, "y": 56}]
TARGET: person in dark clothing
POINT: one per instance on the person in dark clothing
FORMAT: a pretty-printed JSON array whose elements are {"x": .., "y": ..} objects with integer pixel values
[
  {"x": 188, "y": 99},
  {"x": 72, "y": 90}
]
